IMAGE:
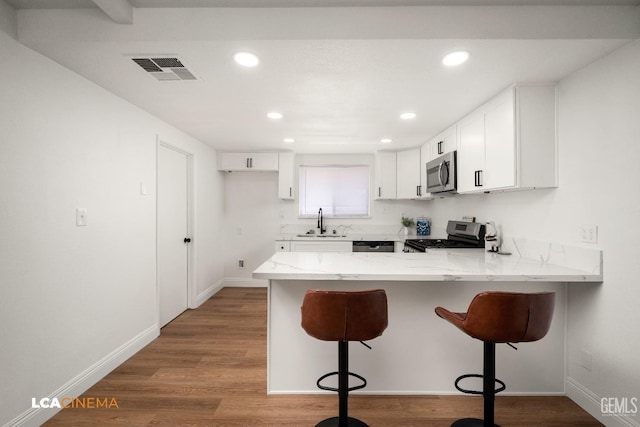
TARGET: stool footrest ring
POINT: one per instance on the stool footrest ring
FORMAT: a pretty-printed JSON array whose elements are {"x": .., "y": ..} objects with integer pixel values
[
  {"x": 462, "y": 377},
  {"x": 357, "y": 387}
]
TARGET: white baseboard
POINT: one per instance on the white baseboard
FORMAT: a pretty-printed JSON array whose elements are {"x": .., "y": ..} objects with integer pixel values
[
  {"x": 244, "y": 282},
  {"x": 83, "y": 381},
  {"x": 208, "y": 293},
  {"x": 590, "y": 402}
]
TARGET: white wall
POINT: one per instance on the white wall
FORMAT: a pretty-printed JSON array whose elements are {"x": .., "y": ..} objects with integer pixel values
[
  {"x": 76, "y": 301},
  {"x": 8, "y": 21},
  {"x": 599, "y": 108}
]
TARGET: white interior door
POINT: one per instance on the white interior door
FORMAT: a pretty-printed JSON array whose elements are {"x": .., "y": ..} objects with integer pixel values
[{"x": 173, "y": 230}]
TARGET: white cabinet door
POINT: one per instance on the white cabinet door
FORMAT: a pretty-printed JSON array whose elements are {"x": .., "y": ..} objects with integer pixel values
[
  {"x": 233, "y": 161},
  {"x": 471, "y": 153},
  {"x": 286, "y": 175},
  {"x": 408, "y": 174},
  {"x": 444, "y": 143},
  {"x": 283, "y": 246},
  {"x": 248, "y": 161},
  {"x": 425, "y": 157},
  {"x": 306, "y": 246},
  {"x": 499, "y": 143},
  {"x": 264, "y": 161},
  {"x": 385, "y": 175}
]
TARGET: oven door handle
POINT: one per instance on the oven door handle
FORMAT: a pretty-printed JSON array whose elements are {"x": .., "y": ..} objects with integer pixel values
[{"x": 440, "y": 174}]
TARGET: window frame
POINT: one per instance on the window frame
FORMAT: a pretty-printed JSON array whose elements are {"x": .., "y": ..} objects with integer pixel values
[{"x": 342, "y": 166}]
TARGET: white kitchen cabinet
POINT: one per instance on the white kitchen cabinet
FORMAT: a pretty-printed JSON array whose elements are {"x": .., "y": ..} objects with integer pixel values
[
  {"x": 385, "y": 175},
  {"x": 470, "y": 157},
  {"x": 509, "y": 142},
  {"x": 283, "y": 245},
  {"x": 286, "y": 175},
  {"x": 425, "y": 157},
  {"x": 445, "y": 142},
  {"x": 323, "y": 246},
  {"x": 258, "y": 162},
  {"x": 408, "y": 174}
]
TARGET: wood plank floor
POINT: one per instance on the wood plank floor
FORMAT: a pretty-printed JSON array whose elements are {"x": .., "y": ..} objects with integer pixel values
[{"x": 208, "y": 368}]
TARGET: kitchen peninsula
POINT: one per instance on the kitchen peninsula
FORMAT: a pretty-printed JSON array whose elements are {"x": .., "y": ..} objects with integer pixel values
[{"x": 419, "y": 353}]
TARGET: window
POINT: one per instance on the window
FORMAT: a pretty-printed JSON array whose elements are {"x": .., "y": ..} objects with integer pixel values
[{"x": 338, "y": 190}]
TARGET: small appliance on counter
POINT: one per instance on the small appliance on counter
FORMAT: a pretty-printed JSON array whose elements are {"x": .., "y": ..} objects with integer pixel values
[
  {"x": 460, "y": 235},
  {"x": 493, "y": 239}
]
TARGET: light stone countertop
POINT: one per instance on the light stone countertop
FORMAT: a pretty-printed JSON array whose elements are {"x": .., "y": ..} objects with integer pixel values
[
  {"x": 437, "y": 265},
  {"x": 351, "y": 237}
]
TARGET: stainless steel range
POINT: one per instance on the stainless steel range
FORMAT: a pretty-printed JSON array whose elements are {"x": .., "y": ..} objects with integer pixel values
[{"x": 460, "y": 235}]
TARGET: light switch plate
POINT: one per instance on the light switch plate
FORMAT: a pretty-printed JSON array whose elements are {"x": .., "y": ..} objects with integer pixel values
[{"x": 81, "y": 217}]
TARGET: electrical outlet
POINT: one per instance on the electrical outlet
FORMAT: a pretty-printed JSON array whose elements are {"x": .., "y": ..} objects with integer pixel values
[
  {"x": 589, "y": 233},
  {"x": 240, "y": 263},
  {"x": 81, "y": 217},
  {"x": 586, "y": 360}
]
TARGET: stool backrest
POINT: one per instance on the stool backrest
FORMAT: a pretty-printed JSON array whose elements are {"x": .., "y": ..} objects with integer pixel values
[
  {"x": 344, "y": 315},
  {"x": 509, "y": 316}
]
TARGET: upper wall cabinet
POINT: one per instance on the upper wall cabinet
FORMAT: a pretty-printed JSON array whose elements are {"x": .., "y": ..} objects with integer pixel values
[
  {"x": 385, "y": 175},
  {"x": 509, "y": 143},
  {"x": 444, "y": 143},
  {"x": 286, "y": 175},
  {"x": 425, "y": 157},
  {"x": 408, "y": 174},
  {"x": 259, "y": 162}
]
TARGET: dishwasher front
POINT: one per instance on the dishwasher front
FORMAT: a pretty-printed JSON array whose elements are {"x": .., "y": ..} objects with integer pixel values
[{"x": 373, "y": 246}]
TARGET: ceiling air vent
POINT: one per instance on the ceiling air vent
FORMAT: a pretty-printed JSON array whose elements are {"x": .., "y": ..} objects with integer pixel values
[{"x": 164, "y": 68}]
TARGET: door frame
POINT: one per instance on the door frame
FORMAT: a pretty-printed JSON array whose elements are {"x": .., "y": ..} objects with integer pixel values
[{"x": 191, "y": 248}]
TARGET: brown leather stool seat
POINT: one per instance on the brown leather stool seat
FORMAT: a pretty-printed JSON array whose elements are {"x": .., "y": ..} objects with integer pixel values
[
  {"x": 344, "y": 316},
  {"x": 499, "y": 317}
]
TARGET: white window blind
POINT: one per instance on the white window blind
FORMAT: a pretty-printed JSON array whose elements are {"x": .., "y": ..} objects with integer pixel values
[{"x": 338, "y": 190}]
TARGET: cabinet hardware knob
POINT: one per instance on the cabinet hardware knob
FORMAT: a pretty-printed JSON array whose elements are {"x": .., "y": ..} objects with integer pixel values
[{"x": 187, "y": 240}]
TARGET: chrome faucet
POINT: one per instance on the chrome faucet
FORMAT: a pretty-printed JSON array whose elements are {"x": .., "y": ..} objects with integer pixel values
[{"x": 321, "y": 226}]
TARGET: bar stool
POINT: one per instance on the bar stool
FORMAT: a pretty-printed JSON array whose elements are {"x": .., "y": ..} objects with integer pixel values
[
  {"x": 499, "y": 317},
  {"x": 344, "y": 316}
]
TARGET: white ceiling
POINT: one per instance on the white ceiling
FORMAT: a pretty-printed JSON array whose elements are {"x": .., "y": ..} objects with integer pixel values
[{"x": 340, "y": 76}]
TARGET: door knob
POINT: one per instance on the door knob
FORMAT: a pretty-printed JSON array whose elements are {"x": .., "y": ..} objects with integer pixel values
[{"x": 187, "y": 240}]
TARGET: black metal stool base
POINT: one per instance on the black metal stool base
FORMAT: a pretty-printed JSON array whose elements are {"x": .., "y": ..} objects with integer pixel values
[
  {"x": 470, "y": 422},
  {"x": 335, "y": 422}
]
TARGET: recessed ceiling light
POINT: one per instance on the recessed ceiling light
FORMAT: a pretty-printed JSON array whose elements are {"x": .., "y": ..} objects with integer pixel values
[
  {"x": 455, "y": 58},
  {"x": 408, "y": 116},
  {"x": 386, "y": 140},
  {"x": 274, "y": 115},
  {"x": 289, "y": 140},
  {"x": 246, "y": 59}
]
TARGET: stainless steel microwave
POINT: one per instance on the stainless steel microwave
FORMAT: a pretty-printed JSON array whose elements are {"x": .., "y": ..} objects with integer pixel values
[{"x": 441, "y": 173}]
